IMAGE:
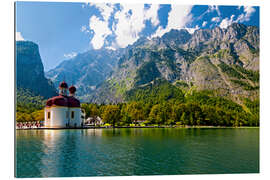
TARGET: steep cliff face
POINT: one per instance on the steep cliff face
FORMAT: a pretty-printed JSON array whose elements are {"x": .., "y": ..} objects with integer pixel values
[
  {"x": 223, "y": 60},
  {"x": 30, "y": 71}
]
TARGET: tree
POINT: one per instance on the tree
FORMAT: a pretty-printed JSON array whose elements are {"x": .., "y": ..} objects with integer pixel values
[
  {"x": 183, "y": 118},
  {"x": 125, "y": 118},
  {"x": 38, "y": 115},
  {"x": 154, "y": 114},
  {"x": 86, "y": 109},
  {"x": 159, "y": 114},
  {"x": 191, "y": 121},
  {"x": 23, "y": 117},
  {"x": 135, "y": 111},
  {"x": 93, "y": 110},
  {"x": 111, "y": 114}
]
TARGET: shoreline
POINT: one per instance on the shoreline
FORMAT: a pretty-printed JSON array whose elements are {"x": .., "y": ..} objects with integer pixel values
[{"x": 134, "y": 127}]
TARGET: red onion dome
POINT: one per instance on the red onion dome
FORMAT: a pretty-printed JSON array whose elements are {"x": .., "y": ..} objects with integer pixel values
[
  {"x": 73, "y": 102},
  {"x": 49, "y": 102},
  {"x": 57, "y": 101},
  {"x": 72, "y": 89},
  {"x": 63, "y": 84}
]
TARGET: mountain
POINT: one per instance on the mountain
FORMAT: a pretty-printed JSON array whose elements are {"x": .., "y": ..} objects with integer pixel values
[
  {"x": 85, "y": 70},
  {"x": 30, "y": 72},
  {"x": 225, "y": 61}
]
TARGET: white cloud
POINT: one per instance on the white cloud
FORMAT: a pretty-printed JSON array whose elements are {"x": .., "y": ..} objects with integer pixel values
[
  {"x": 99, "y": 26},
  {"x": 248, "y": 11},
  {"x": 215, "y": 19},
  {"x": 152, "y": 14},
  {"x": 110, "y": 48},
  {"x": 214, "y": 8},
  {"x": 83, "y": 28},
  {"x": 204, "y": 23},
  {"x": 19, "y": 36},
  {"x": 177, "y": 19},
  {"x": 192, "y": 30},
  {"x": 226, "y": 22},
  {"x": 128, "y": 22},
  {"x": 128, "y": 28},
  {"x": 245, "y": 16},
  {"x": 105, "y": 10},
  {"x": 70, "y": 55},
  {"x": 101, "y": 31}
]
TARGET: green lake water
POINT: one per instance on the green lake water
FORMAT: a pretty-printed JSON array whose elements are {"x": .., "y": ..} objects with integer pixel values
[{"x": 140, "y": 151}]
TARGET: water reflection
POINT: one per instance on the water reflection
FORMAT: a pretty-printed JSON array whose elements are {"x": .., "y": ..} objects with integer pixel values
[
  {"x": 104, "y": 152},
  {"x": 61, "y": 152},
  {"x": 92, "y": 132}
]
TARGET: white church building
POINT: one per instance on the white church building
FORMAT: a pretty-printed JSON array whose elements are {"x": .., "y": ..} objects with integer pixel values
[{"x": 64, "y": 110}]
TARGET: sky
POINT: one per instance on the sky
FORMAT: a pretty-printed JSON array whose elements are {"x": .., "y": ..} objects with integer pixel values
[{"x": 64, "y": 29}]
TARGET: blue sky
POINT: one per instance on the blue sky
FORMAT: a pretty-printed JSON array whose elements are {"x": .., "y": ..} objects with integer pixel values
[{"x": 64, "y": 29}]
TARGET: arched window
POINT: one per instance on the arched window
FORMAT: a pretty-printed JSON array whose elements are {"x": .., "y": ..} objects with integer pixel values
[
  {"x": 72, "y": 114},
  {"x": 49, "y": 115}
]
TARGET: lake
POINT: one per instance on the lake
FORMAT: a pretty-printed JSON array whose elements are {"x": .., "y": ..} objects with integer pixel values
[{"x": 136, "y": 151}]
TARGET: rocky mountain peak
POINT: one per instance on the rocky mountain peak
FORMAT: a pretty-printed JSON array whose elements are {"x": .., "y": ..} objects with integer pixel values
[
  {"x": 235, "y": 31},
  {"x": 178, "y": 37}
]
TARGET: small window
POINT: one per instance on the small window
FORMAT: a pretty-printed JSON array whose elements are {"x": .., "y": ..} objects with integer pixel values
[
  {"x": 49, "y": 115},
  {"x": 72, "y": 114}
]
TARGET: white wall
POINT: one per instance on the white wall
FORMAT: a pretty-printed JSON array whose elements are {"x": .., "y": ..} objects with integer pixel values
[
  {"x": 59, "y": 118},
  {"x": 77, "y": 117}
]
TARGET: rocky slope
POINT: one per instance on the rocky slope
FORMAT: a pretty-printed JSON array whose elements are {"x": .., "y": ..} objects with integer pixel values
[
  {"x": 86, "y": 70},
  {"x": 30, "y": 71},
  {"x": 225, "y": 61}
]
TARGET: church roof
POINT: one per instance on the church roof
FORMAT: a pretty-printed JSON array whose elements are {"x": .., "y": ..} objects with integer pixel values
[
  {"x": 65, "y": 101},
  {"x": 63, "y": 84},
  {"x": 73, "y": 102},
  {"x": 72, "y": 89}
]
